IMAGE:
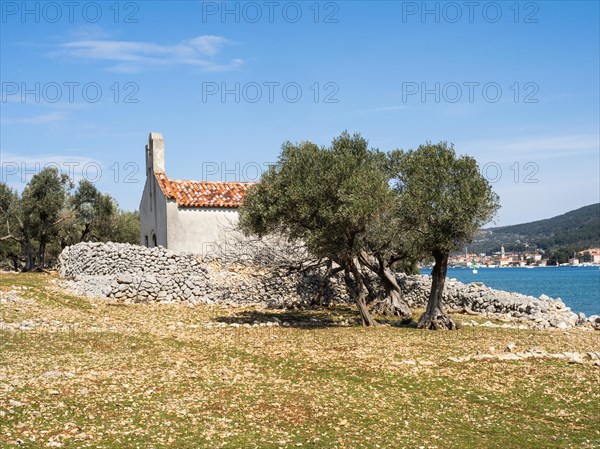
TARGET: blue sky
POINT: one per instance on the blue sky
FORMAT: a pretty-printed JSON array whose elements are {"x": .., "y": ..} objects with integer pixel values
[{"x": 514, "y": 84}]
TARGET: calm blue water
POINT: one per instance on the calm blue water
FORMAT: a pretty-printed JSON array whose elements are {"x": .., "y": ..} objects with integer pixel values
[{"x": 579, "y": 287}]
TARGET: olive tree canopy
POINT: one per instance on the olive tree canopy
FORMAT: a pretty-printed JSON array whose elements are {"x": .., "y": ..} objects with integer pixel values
[{"x": 327, "y": 197}]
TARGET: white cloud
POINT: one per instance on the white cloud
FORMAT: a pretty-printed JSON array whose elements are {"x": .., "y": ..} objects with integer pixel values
[
  {"x": 539, "y": 148},
  {"x": 51, "y": 117},
  {"x": 43, "y": 159},
  {"x": 88, "y": 31},
  {"x": 131, "y": 56},
  {"x": 17, "y": 169},
  {"x": 382, "y": 109}
]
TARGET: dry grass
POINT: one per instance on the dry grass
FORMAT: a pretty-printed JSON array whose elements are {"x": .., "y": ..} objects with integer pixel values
[{"x": 101, "y": 375}]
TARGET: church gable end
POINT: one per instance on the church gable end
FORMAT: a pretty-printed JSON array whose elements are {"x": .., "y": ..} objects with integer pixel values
[{"x": 185, "y": 215}]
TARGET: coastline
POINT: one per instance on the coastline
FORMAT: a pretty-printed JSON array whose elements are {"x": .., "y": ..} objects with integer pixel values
[
  {"x": 475, "y": 298},
  {"x": 577, "y": 287}
]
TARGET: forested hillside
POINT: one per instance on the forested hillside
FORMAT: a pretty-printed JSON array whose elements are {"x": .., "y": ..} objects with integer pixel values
[{"x": 577, "y": 229}]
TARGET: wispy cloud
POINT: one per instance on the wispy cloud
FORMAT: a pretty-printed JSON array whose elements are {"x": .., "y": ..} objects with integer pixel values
[
  {"x": 16, "y": 169},
  {"x": 131, "y": 56},
  {"x": 45, "y": 159},
  {"x": 51, "y": 117},
  {"x": 381, "y": 109},
  {"x": 540, "y": 147},
  {"x": 88, "y": 31}
]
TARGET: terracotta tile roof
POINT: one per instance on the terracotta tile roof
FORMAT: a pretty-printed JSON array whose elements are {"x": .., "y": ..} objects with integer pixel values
[{"x": 203, "y": 193}]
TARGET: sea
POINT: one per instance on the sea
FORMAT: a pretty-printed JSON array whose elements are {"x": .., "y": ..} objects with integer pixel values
[{"x": 578, "y": 287}]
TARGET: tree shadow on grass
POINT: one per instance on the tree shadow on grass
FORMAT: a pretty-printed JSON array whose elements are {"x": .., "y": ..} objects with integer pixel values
[
  {"x": 403, "y": 323},
  {"x": 313, "y": 318},
  {"x": 305, "y": 319}
]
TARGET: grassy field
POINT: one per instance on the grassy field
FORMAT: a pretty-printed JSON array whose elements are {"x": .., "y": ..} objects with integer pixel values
[{"x": 90, "y": 373}]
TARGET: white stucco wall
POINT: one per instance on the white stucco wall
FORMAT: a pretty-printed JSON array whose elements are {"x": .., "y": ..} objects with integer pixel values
[
  {"x": 200, "y": 230},
  {"x": 153, "y": 214},
  {"x": 153, "y": 206}
]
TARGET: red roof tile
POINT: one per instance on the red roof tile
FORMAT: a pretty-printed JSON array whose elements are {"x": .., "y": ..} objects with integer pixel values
[{"x": 203, "y": 193}]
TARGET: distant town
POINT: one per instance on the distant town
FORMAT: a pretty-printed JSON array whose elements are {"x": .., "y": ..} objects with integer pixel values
[{"x": 536, "y": 258}]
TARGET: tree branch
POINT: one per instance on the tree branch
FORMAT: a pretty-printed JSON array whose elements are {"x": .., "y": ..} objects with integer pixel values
[{"x": 10, "y": 236}]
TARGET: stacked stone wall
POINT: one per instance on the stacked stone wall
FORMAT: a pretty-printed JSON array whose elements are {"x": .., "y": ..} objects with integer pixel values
[{"x": 132, "y": 273}]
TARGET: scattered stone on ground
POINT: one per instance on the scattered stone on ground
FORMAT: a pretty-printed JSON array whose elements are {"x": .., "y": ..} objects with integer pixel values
[{"x": 593, "y": 358}]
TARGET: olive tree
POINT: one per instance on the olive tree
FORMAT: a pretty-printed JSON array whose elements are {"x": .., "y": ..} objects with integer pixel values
[
  {"x": 12, "y": 240},
  {"x": 43, "y": 201},
  {"x": 328, "y": 198},
  {"x": 445, "y": 200},
  {"x": 95, "y": 213}
]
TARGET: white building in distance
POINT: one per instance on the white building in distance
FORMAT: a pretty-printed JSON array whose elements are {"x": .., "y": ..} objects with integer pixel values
[{"x": 190, "y": 216}]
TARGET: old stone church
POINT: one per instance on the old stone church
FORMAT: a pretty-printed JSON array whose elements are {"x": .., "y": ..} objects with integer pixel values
[{"x": 191, "y": 216}]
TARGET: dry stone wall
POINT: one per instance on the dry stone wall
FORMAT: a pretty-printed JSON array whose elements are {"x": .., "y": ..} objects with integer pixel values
[{"x": 132, "y": 273}]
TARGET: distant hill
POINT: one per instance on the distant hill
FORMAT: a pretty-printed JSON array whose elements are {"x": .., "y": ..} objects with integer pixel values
[{"x": 577, "y": 229}]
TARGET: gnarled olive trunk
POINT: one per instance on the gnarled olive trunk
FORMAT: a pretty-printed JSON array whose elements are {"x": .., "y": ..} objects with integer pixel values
[
  {"x": 27, "y": 254},
  {"x": 14, "y": 258},
  {"x": 329, "y": 272},
  {"x": 393, "y": 303},
  {"x": 360, "y": 294},
  {"x": 434, "y": 317},
  {"x": 41, "y": 254},
  {"x": 394, "y": 299}
]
